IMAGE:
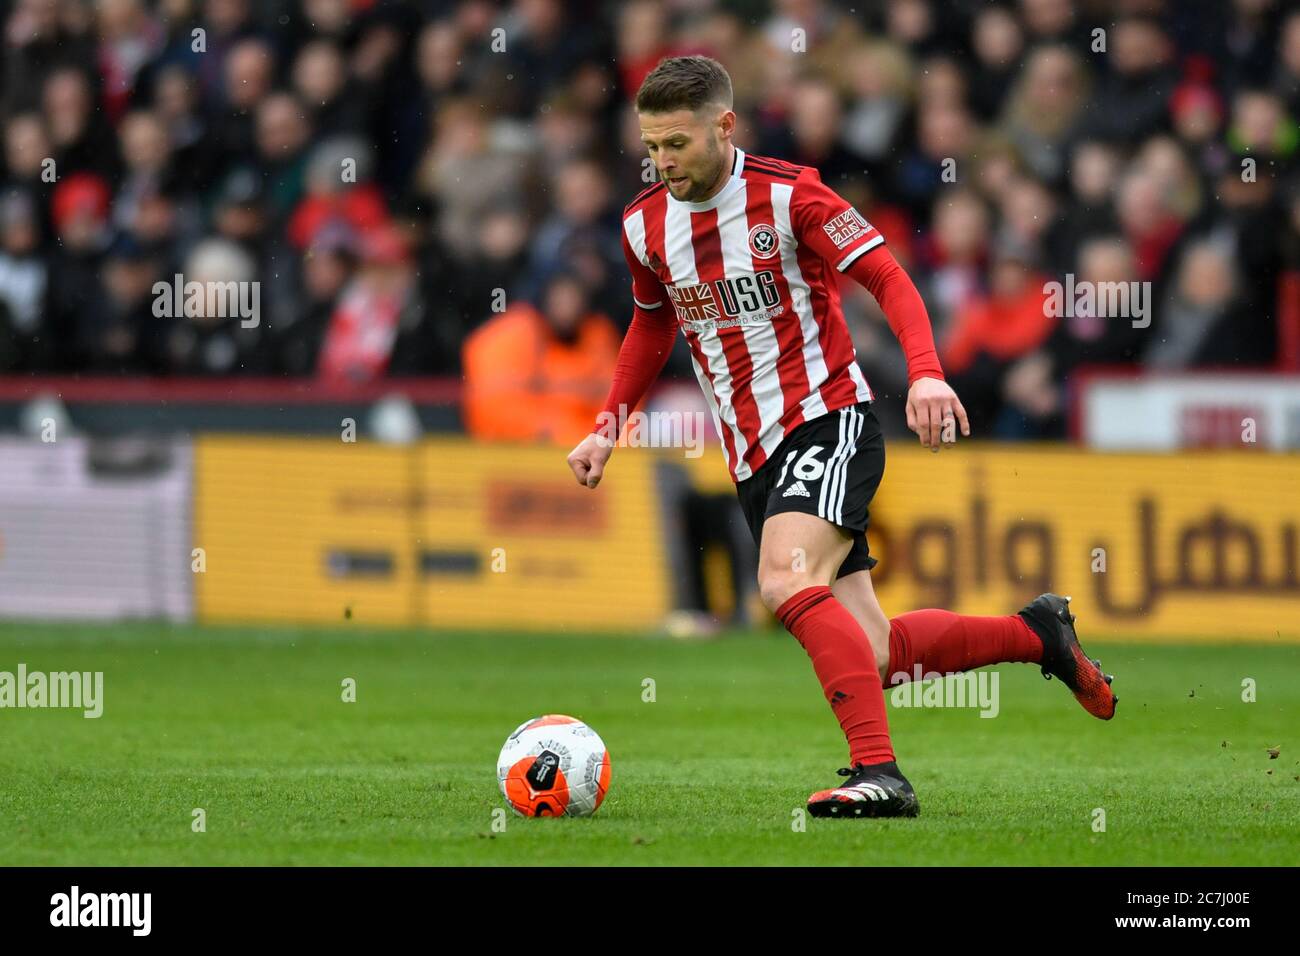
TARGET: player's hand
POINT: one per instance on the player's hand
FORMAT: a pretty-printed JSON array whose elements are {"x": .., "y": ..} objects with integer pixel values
[
  {"x": 932, "y": 407},
  {"x": 588, "y": 459}
]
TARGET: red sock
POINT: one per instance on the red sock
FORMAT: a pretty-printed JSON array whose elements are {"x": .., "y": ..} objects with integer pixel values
[
  {"x": 945, "y": 643},
  {"x": 846, "y": 666}
]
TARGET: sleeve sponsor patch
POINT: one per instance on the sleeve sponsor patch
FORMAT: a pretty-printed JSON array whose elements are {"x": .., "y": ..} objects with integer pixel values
[{"x": 846, "y": 227}]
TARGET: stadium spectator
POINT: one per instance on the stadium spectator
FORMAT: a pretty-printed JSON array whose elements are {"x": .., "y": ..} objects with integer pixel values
[
  {"x": 1197, "y": 114},
  {"x": 1089, "y": 207},
  {"x": 1045, "y": 108},
  {"x": 957, "y": 256},
  {"x": 879, "y": 76},
  {"x": 121, "y": 333},
  {"x": 642, "y": 39},
  {"x": 582, "y": 232},
  {"x": 998, "y": 41},
  {"x": 1052, "y": 21},
  {"x": 463, "y": 298},
  {"x": 1088, "y": 333},
  {"x": 465, "y": 171},
  {"x": 1201, "y": 313},
  {"x": 1150, "y": 221},
  {"x": 80, "y": 137},
  {"x": 129, "y": 39},
  {"x": 945, "y": 140},
  {"x": 540, "y": 373},
  {"x": 79, "y": 207},
  {"x": 1130, "y": 100},
  {"x": 206, "y": 340},
  {"x": 327, "y": 266},
  {"x": 320, "y": 78},
  {"x": 991, "y": 333},
  {"x": 27, "y": 157},
  {"x": 25, "y": 341},
  {"x": 1248, "y": 42},
  {"x": 379, "y": 325}
]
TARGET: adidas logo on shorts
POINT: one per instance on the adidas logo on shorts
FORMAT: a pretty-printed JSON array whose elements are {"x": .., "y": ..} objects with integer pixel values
[{"x": 797, "y": 489}]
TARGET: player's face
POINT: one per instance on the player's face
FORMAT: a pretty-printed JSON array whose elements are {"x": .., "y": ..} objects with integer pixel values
[{"x": 688, "y": 150}]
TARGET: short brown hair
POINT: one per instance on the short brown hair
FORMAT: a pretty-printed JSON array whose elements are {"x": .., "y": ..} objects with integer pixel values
[{"x": 684, "y": 83}]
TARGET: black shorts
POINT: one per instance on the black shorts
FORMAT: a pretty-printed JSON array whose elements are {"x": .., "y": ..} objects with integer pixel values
[{"x": 829, "y": 467}]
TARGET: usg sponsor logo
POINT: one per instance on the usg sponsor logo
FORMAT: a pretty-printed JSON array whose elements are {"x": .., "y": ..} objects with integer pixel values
[{"x": 751, "y": 298}]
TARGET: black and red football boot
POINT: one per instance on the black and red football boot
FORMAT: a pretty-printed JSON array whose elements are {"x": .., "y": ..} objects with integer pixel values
[{"x": 1048, "y": 615}]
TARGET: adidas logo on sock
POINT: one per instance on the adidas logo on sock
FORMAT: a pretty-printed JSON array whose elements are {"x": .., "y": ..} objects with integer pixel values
[{"x": 797, "y": 489}]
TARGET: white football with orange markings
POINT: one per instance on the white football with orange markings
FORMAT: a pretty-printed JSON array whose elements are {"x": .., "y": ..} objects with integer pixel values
[{"x": 554, "y": 766}]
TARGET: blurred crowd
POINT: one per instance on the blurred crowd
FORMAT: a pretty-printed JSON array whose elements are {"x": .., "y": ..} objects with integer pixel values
[{"x": 431, "y": 187}]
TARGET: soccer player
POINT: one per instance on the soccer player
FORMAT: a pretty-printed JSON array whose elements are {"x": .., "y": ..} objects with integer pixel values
[{"x": 740, "y": 252}]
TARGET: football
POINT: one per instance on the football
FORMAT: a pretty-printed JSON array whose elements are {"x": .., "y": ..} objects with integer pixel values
[{"x": 554, "y": 766}]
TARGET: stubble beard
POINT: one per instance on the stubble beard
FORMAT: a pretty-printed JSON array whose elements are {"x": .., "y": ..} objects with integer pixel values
[{"x": 695, "y": 190}]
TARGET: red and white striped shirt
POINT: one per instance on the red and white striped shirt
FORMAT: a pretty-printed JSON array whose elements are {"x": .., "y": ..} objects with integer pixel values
[{"x": 747, "y": 274}]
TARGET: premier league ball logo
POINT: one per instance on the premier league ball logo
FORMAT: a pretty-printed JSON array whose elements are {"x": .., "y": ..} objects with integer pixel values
[{"x": 763, "y": 242}]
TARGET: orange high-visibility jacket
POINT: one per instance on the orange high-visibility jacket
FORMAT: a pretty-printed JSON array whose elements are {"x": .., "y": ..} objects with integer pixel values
[{"x": 522, "y": 383}]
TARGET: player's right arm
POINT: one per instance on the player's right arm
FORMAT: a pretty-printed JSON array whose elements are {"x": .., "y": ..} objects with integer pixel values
[{"x": 641, "y": 358}]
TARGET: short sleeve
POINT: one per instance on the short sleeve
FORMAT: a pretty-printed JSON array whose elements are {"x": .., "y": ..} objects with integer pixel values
[
  {"x": 647, "y": 291},
  {"x": 828, "y": 223}
]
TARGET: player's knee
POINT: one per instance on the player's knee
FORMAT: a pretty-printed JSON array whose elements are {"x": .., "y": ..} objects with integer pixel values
[
  {"x": 880, "y": 647},
  {"x": 778, "y": 585}
]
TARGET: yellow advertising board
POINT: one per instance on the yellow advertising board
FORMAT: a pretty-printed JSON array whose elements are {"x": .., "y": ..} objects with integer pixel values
[
  {"x": 283, "y": 541},
  {"x": 546, "y": 552},
  {"x": 1201, "y": 544},
  {"x": 444, "y": 534},
  {"x": 448, "y": 533}
]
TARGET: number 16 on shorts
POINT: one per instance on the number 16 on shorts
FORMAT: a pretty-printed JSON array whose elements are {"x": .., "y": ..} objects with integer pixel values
[{"x": 806, "y": 468}]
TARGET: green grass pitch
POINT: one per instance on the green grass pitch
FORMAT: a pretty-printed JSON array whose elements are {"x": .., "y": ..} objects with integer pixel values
[{"x": 249, "y": 725}]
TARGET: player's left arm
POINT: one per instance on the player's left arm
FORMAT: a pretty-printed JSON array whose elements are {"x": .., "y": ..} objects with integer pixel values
[
  {"x": 930, "y": 399},
  {"x": 839, "y": 233}
]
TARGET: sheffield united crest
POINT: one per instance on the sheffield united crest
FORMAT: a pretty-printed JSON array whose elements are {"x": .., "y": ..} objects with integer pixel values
[{"x": 763, "y": 241}]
